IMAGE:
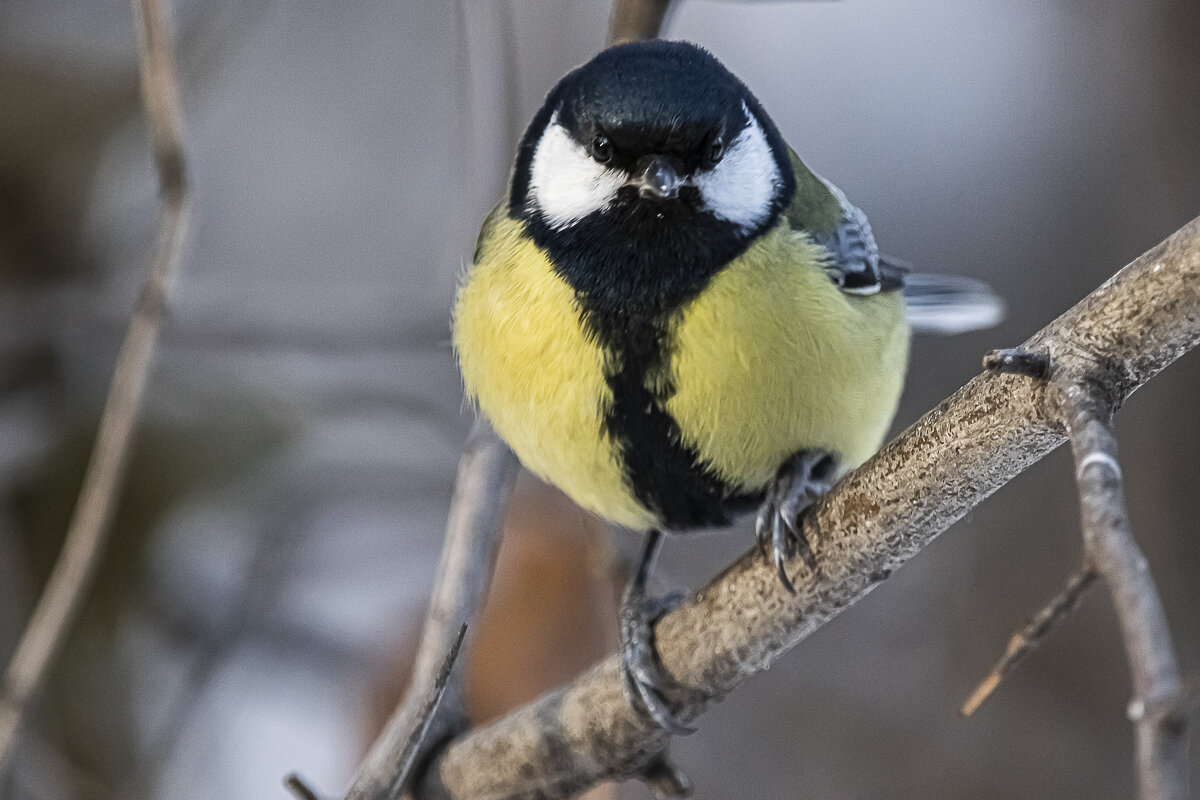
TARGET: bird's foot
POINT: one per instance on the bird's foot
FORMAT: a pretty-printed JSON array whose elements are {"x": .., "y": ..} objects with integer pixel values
[
  {"x": 800, "y": 481},
  {"x": 664, "y": 780},
  {"x": 641, "y": 668}
]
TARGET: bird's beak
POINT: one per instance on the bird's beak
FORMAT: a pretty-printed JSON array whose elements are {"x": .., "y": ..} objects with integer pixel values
[{"x": 657, "y": 179}]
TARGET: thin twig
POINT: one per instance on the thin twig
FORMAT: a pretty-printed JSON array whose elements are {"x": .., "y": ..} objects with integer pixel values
[
  {"x": 1087, "y": 397},
  {"x": 87, "y": 533},
  {"x": 427, "y": 712},
  {"x": 420, "y": 726},
  {"x": 1161, "y": 760},
  {"x": 485, "y": 478},
  {"x": 874, "y": 520},
  {"x": 634, "y": 20},
  {"x": 300, "y": 788},
  {"x": 1026, "y": 640}
]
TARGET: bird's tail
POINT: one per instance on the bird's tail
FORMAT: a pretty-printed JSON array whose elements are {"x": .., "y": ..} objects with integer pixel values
[
  {"x": 945, "y": 304},
  {"x": 950, "y": 304}
]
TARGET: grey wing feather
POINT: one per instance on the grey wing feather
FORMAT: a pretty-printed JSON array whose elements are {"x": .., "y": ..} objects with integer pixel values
[
  {"x": 854, "y": 256},
  {"x": 893, "y": 272},
  {"x": 945, "y": 304}
]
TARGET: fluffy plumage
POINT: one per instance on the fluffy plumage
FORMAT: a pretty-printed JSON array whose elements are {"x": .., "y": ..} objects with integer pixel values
[
  {"x": 658, "y": 346},
  {"x": 674, "y": 320}
]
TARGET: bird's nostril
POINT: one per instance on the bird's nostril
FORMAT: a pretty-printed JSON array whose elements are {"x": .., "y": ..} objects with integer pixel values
[
  {"x": 658, "y": 179},
  {"x": 657, "y": 191}
]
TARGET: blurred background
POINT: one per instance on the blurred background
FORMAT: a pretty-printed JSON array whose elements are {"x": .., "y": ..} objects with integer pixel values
[{"x": 278, "y": 533}]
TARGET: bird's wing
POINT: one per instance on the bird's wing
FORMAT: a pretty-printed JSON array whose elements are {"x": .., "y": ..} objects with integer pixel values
[
  {"x": 945, "y": 304},
  {"x": 821, "y": 211},
  {"x": 497, "y": 213}
]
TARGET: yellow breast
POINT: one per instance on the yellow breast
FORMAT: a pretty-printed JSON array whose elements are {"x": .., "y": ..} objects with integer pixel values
[
  {"x": 772, "y": 358},
  {"x": 528, "y": 362}
]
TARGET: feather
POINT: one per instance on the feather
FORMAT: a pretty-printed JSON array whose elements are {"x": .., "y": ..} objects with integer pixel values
[{"x": 949, "y": 304}]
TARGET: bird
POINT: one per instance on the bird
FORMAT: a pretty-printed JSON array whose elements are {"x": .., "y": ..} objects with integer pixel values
[{"x": 675, "y": 321}]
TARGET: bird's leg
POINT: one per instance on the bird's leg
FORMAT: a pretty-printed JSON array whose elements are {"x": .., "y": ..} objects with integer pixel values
[
  {"x": 801, "y": 480},
  {"x": 640, "y": 667}
]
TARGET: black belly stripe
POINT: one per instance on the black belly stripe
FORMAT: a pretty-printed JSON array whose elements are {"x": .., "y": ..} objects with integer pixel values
[
  {"x": 633, "y": 267},
  {"x": 665, "y": 474}
]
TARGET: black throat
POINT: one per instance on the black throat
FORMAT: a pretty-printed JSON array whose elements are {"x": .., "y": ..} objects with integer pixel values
[{"x": 633, "y": 267}]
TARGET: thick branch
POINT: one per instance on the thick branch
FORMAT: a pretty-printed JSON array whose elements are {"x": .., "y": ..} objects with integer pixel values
[
  {"x": 1111, "y": 550},
  {"x": 88, "y": 530},
  {"x": 873, "y": 521}
]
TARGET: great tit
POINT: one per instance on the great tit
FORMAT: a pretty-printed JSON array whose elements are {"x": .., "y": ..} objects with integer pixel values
[{"x": 675, "y": 321}]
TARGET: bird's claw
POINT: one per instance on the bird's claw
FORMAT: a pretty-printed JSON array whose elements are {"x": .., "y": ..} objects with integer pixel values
[
  {"x": 665, "y": 780},
  {"x": 641, "y": 669},
  {"x": 800, "y": 481}
]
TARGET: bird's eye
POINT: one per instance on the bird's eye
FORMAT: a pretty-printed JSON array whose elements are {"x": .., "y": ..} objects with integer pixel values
[
  {"x": 716, "y": 151},
  {"x": 601, "y": 148}
]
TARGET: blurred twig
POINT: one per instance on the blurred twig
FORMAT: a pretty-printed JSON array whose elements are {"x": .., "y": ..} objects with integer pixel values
[
  {"x": 299, "y": 788},
  {"x": 1026, "y": 640},
  {"x": 88, "y": 529},
  {"x": 419, "y": 726},
  {"x": 633, "y": 20},
  {"x": 485, "y": 477},
  {"x": 874, "y": 520},
  {"x": 427, "y": 711}
]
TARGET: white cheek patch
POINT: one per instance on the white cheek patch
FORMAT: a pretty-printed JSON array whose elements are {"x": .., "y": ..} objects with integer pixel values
[
  {"x": 743, "y": 185},
  {"x": 565, "y": 182}
]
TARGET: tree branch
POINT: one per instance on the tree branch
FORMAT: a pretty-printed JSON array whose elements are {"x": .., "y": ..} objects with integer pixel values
[
  {"x": 874, "y": 520},
  {"x": 1111, "y": 550},
  {"x": 1026, "y": 640},
  {"x": 88, "y": 530},
  {"x": 634, "y": 20},
  {"x": 1086, "y": 401},
  {"x": 485, "y": 477}
]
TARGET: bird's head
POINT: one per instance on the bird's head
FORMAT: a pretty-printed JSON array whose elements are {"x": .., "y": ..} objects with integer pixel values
[{"x": 647, "y": 137}]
